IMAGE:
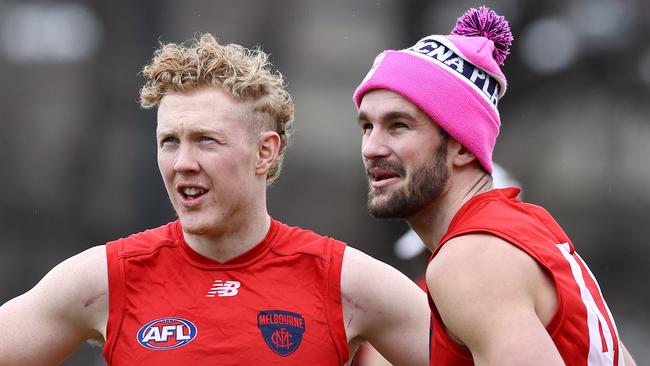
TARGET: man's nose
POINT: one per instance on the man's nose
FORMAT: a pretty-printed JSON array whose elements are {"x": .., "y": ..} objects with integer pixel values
[
  {"x": 186, "y": 159},
  {"x": 374, "y": 145}
]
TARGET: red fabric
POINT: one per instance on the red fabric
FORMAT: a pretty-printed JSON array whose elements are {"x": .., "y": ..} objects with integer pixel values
[
  {"x": 576, "y": 328},
  {"x": 155, "y": 275}
]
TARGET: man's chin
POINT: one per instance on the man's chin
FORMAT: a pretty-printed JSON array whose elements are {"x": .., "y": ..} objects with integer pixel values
[
  {"x": 193, "y": 226},
  {"x": 381, "y": 209},
  {"x": 379, "y": 214},
  {"x": 390, "y": 212},
  {"x": 394, "y": 206}
]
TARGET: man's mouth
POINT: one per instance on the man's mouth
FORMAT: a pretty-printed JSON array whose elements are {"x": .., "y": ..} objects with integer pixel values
[
  {"x": 378, "y": 175},
  {"x": 382, "y": 177},
  {"x": 382, "y": 169},
  {"x": 191, "y": 193}
]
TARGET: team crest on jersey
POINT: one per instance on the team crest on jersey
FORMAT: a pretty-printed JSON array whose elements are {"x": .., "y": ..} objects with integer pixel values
[
  {"x": 282, "y": 330},
  {"x": 166, "y": 333}
]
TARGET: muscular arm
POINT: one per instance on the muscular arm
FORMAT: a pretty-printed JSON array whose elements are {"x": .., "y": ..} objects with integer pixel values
[
  {"x": 69, "y": 305},
  {"x": 384, "y": 307},
  {"x": 494, "y": 298}
]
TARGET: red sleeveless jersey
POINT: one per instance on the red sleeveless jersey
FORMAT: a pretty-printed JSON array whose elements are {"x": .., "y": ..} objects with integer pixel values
[
  {"x": 582, "y": 329},
  {"x": 277, "y": 304}
]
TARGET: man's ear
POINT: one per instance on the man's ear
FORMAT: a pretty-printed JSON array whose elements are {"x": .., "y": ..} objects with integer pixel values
[
  {"x": 268, "y": 148},
  {"x": 459, "y": 154}
]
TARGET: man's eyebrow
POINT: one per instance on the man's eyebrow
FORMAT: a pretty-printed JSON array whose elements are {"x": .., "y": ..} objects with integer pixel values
[
  {"x": 392, "y": 115},
  {"x": 396, "y": 115},
  {"x": 362, "y": 117},
  {"x": 164, "y": 131}
]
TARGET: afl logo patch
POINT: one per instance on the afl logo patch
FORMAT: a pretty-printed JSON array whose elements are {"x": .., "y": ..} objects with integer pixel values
[
  {"x": 282, "y": 330},
  {"x": 166, "y": 333}
]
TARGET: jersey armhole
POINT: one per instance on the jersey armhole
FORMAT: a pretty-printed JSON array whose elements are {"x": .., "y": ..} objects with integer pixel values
[
  {"x": 438, "y": 337},
  {"x": 333, "y": 304},
  {"x": 116, "y": 295}
]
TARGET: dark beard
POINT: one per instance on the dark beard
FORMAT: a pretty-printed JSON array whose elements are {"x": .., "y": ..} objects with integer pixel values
[{"x": 426, "y": 185}]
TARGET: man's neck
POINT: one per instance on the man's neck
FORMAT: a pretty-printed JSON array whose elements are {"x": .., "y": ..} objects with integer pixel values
[
  {"x": 432, "y": 223},
  {"x": 234, "y": 240}
]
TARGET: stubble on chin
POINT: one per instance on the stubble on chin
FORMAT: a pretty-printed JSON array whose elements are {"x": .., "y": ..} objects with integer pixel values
[{"x": 387, "y": 205}]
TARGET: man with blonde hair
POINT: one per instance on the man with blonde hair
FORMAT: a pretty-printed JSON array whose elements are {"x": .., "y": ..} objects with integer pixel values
[{"x": 225, "y": 284}]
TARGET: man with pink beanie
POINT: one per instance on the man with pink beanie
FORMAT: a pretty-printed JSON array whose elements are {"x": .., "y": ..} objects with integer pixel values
[{"x": 506, "y": 285}]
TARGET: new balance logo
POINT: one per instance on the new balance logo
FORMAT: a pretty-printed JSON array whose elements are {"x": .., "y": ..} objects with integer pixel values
[{"x": 223, "y": 288}]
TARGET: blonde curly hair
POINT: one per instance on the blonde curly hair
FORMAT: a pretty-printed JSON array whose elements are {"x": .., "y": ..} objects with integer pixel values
[{"x": 244, "y": 73}]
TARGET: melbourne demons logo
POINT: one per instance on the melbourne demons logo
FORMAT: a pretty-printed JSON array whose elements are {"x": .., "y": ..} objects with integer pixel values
[
  {"x": 166, "y": 333},
  {"x": 282, "y": 330}
]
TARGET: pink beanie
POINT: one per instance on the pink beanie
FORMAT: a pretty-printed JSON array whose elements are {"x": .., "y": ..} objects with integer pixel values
[{"x": 454, "y": 79}]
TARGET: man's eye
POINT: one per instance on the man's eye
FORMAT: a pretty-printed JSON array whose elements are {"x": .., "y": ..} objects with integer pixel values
[
  {"x": 206, "y": 139},
  {"x": 366, "y": 127},
  {"x": 400, "y": 125},
  {"x": 168, "y": 140}
]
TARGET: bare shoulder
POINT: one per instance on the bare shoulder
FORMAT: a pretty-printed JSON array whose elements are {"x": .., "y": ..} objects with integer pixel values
[
  {"x": 77, "y": 288},
  {"x": 477, "y": 266},
  {"x": 90, "y": 269},
  {"x": 383, "y": 306},
  {"x": 477, "y": 254},
  {"x": 363, "y": 277},
  {"x": 80, "y": 275},
  {"x": 356, "y": 276},
  {"x": 479, "y": 280}
]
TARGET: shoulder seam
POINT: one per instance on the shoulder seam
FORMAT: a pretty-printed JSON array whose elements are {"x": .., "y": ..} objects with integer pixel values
[
  {"x": 297, "y": 252},
  {"x": 137, "y": 253}
]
